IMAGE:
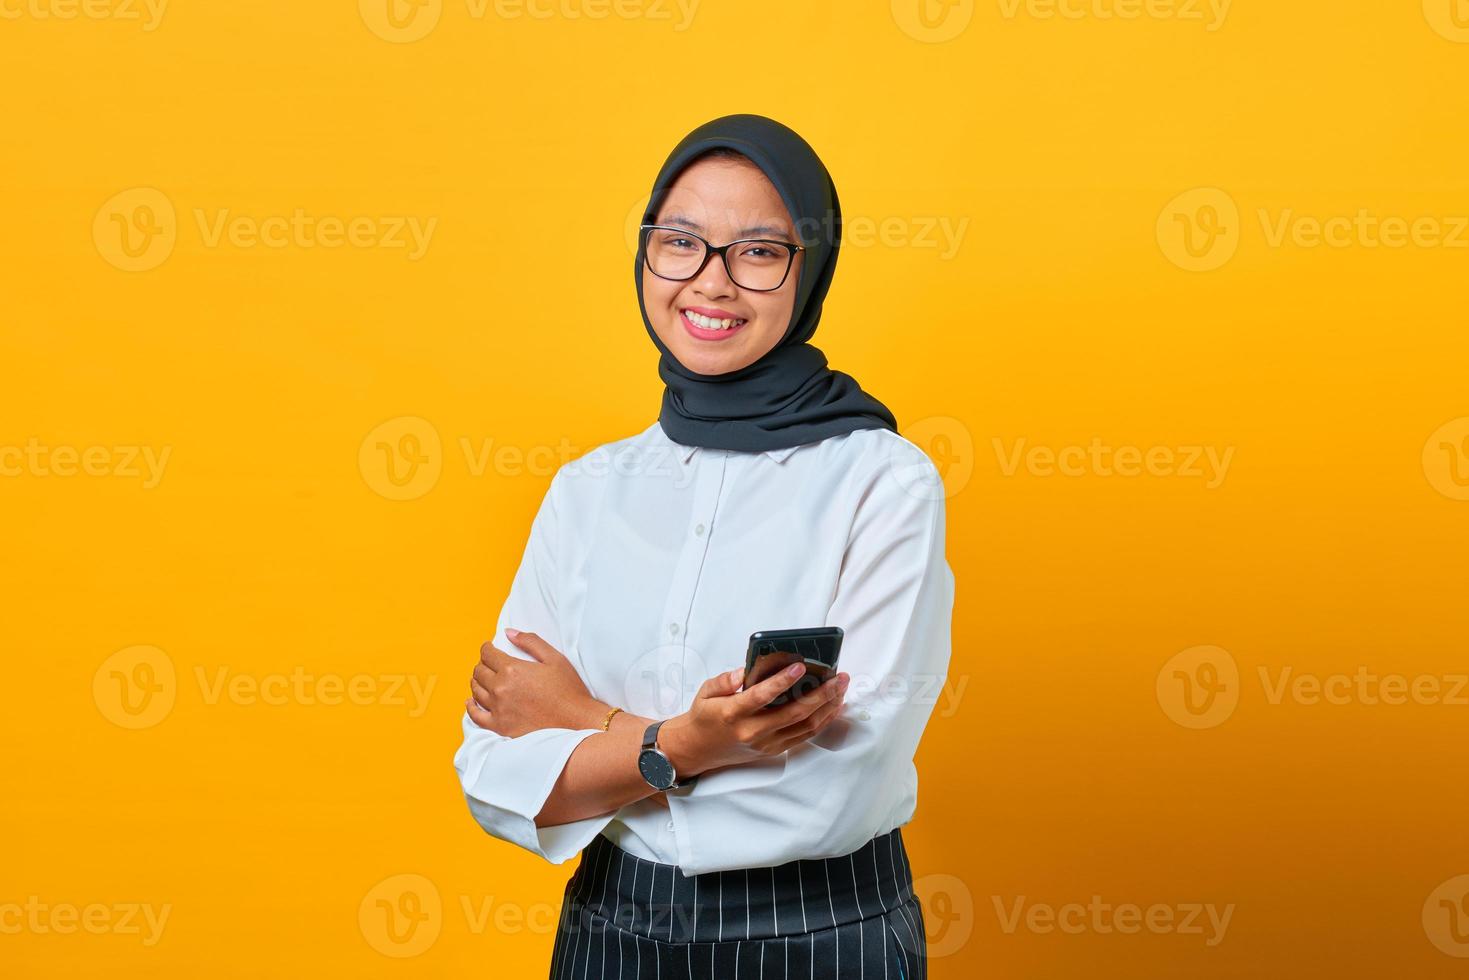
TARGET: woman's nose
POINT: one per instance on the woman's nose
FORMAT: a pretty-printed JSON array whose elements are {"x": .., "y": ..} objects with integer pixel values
[{"x": 713, "y": 280}]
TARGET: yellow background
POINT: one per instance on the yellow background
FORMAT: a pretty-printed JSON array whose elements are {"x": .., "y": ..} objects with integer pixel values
[{"x": 1335, "y": 539}]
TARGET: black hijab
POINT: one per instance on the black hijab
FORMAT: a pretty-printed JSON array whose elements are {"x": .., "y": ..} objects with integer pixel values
[{"x": 789, "y": 397}]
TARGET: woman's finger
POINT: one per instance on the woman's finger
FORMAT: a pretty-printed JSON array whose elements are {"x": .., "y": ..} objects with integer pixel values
[
  {"x": 753, "y": 699},
  {"x": 480, "y": 694},
  {"x": 808, "y": 725},
  {"x": 796, "y": 711},
  {"x": 483, "y": 674},
  {"x": 804, "y": 731},
  {"x": 538, "y": 648},
  {"x": 479, "y": 716},
  {"x": 721, "y": 685},
  {"x": 493, "y": 657}
]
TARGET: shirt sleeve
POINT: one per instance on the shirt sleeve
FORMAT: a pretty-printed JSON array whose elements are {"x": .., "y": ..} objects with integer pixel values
[
  {"x": 506, "y": 781},
  {"x": 894, "y": 602}
]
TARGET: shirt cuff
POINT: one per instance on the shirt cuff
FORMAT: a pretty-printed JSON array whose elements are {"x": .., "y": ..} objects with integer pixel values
[{"x": 507, "y": 781}]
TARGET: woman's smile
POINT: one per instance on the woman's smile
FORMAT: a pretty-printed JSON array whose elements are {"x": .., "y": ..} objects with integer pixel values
[{"x": 708, "y": 323}]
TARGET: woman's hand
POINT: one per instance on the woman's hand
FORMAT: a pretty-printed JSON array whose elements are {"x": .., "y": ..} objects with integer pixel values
[
  {"x": 726, "y": 726},
  {"x": 513, "y": 696}
]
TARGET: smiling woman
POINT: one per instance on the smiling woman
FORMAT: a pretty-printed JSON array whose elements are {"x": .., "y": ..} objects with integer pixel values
[
  {"x": 719, "y": 316},
  {"x": 721, "y": 834}
]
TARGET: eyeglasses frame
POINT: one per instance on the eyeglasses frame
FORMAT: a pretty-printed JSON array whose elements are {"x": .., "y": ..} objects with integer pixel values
[{"x": 711, "y": 249}]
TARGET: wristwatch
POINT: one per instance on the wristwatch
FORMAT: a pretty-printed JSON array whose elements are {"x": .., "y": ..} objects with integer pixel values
[{"x": 656, "y": 767}]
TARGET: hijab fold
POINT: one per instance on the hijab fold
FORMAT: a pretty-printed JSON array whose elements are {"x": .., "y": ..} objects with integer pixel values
[{"x": 789, "y": 397}]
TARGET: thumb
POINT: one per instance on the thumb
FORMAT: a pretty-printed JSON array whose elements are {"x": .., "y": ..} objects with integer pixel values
[
  {"x": 723, "y": 684},
  {"x": 532, "y": 644}
]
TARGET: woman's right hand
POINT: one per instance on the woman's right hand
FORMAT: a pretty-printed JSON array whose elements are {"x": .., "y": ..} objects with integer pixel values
[{"x": 727, "y": 727}]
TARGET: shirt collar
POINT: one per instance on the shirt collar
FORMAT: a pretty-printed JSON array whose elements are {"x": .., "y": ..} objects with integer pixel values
[{"x": 686, "y": 453}]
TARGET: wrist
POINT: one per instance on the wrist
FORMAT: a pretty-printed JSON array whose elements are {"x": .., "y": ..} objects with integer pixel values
[
  {"x": 677, "y": 740},
  {"x": 592, "y": 713},
  {"x": 627, "y": 721}
]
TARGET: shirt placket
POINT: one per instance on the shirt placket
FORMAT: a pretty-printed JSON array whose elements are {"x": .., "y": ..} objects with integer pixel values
[
  {"x": 681, "y": 665},
  {"x": 678, "y": 665}
]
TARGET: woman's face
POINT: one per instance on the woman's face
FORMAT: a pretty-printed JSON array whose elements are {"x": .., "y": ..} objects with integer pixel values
[{"x": 722, "y": 200}]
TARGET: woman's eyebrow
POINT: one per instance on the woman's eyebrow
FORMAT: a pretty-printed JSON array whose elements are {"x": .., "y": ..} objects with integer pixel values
[{"x": 692, "y": 225}]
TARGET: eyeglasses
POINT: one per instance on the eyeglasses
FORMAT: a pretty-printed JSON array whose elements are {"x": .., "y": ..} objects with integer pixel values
[{"x": 758, "y": 264}]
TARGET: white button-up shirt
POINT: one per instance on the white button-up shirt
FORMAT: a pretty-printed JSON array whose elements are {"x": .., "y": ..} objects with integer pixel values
[{"x": 650, "y": 563}]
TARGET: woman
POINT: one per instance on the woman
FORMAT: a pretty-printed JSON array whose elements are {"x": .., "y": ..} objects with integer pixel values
[{"x": 771, "y": 493}]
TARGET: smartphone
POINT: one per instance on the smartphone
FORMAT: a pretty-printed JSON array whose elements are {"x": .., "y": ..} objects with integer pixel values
[{"x": 771, "y": 651}]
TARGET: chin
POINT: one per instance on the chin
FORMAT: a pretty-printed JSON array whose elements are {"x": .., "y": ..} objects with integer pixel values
[
  {"x": 701, "y": 358},
  {"x": 705, "y": 363}
]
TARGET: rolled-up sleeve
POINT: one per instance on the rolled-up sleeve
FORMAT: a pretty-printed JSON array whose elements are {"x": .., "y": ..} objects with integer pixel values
[
  {"x": 507, "y": 781},
  {"x": 894, "y": 602}
]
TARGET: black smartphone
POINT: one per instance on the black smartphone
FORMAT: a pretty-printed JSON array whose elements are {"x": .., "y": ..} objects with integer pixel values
[{"x": 771, "y": 651}]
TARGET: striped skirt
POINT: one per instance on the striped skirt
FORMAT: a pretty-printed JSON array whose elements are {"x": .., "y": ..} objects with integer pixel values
[{"x": 855, "y": 916}]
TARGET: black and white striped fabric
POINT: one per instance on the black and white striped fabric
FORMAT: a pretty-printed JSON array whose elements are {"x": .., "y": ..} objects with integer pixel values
[{"x": 855, "y": 916}]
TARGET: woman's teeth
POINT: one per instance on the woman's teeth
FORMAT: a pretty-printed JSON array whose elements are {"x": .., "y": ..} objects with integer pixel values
[{"x": 709, "y": 323}]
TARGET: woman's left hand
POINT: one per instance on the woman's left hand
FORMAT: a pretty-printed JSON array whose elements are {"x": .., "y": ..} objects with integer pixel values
[{"x": 512, "y": 696}]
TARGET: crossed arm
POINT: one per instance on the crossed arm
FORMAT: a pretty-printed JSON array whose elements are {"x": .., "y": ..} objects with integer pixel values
[{"x": 725, "y": 726}]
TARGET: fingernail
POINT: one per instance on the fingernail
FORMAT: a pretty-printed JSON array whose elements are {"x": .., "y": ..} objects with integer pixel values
[
  {"x": 511, "y": 633},
  {"x": 795, "y": 669}
]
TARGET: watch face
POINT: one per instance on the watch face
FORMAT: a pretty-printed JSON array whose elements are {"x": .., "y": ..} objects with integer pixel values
[{"x": 656, "y": 769}]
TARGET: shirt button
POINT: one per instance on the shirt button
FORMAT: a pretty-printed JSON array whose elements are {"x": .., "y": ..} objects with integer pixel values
[
  {"x": 670, "y": 825},
  {"x": 673, "y": 628},
  {"x": 698, "y": 529},
  {"x": 864, "y": 716}
]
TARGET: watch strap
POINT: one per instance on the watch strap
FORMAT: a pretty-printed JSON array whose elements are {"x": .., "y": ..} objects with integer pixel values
[{"x": 650, "y": 744}]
